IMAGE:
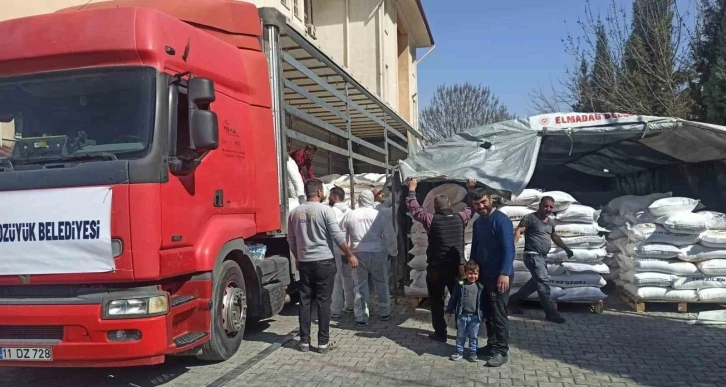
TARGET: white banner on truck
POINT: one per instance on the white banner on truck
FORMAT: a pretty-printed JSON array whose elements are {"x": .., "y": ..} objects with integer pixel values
[
  {"x": 576, "y": 120},
  {"x": 56, "y": 231}
]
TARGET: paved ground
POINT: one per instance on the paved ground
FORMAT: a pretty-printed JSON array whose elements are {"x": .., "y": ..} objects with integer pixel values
[{"x": 617, "y": 348}]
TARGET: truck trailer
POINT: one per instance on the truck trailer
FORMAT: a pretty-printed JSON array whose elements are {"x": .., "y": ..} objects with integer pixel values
[{"x": 145, "y": 198}]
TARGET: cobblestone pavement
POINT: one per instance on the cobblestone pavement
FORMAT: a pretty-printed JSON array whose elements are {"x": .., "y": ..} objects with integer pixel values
[{"x": 617, "y": 348}]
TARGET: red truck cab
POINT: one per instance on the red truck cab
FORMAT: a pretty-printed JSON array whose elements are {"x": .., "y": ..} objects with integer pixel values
[{"x": 174, "y": 119}]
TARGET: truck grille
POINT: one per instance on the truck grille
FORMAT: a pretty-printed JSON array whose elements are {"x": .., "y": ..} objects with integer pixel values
[
  {"x": 35, "y": 291},
  {"x": 31, "y": 332}
]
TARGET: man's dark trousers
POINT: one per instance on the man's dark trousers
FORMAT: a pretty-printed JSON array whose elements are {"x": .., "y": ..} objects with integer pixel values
[
  {"x": 539, "y": 282},
  {"x": 494, "y": 306},
  {"x": 437, "y": 280},
  {"x": 316, "y": 285}
]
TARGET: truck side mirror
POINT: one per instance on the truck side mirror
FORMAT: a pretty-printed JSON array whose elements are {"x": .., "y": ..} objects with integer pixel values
[
  {"x": 201, "y": 92},
  {"x": 203, "y": 126},
  {"x": 204, "y": 130}
]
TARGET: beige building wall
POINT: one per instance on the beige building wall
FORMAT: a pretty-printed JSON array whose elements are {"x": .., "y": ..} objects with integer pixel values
[
  {"x": 371, "y": 39},
  {"x": 13, "y": 9}
]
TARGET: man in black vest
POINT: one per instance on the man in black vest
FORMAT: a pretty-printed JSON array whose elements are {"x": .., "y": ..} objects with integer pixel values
[{"x": 445, "y": 254}]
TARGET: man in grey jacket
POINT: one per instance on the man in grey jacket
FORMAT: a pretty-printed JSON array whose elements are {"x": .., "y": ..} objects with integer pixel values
[{"x": 312, "y": 230}]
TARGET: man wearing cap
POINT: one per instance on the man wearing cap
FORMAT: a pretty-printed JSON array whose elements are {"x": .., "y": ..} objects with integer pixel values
[
  {"x": 445, "y": 254},
  {"x": 372, "y": 239}
]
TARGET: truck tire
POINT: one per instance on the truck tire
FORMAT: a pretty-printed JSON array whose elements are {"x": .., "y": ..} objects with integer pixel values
[{"x": 229, "y": 313}]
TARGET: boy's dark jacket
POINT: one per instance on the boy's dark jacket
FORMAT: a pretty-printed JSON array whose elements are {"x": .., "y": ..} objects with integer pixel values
[{"x": 455, "y": 306}]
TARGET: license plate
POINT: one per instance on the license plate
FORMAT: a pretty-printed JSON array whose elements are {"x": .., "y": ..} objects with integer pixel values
[{"x": 26, "y": 354}]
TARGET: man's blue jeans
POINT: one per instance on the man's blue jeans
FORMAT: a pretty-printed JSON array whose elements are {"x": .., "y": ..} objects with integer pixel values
[{"x": 467, "y": 325}]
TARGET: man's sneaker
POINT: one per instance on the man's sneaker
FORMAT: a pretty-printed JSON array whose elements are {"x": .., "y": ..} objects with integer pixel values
[
  {"x": 386, "y": 318},
  {"x": 362, "y": 323},
  {"x": 556, "y": 318},
  {"x": 325, "y": 348},
  {"x": 336, "y": 316},
  {"x": 497, "y": 360},
  {"x": 347, "y": 310},
  {"x": 303, "y": 347},
  {"x": 456, "y": 356},
  {"x": 473, "y": 358},
  {"x": 437, "y": 337}
]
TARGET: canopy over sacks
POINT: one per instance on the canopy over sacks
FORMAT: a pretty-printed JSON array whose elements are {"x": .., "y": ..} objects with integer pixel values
[{"x": 504, "y": 155}]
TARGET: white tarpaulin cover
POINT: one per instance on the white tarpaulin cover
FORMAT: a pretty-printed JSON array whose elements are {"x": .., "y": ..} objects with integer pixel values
[
  {"x": 504, "y": 155},
  {"x": 56, "y": 231}
]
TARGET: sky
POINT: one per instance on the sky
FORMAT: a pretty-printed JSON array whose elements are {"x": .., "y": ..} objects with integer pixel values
[{"x": 511, "y": 46}]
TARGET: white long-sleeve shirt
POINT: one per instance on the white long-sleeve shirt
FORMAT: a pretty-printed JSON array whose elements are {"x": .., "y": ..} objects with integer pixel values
[
  {"x": 367, "y": 230},
  {"x": 340, "y": 210}
]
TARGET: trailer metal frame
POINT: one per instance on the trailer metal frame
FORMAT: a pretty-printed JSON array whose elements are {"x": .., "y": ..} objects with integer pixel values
[{"x": 308, "y": 85}]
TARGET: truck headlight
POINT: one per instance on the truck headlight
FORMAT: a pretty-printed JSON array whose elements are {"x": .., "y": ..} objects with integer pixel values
[{"x": 136, "y": 307}]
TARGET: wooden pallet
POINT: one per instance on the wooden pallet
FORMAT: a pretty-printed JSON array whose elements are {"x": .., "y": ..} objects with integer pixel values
[
  {"x": 596, "y": 307},
  {"x": 638, "y": 304}
]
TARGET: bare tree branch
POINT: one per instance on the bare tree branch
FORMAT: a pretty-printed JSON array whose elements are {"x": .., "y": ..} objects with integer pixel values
[{"x": 456, "y": 108}]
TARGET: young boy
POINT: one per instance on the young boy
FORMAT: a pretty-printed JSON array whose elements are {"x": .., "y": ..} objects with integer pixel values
[{"x": 465, "y": 304}]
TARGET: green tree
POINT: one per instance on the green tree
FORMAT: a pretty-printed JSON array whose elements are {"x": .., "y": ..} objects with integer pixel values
[
  {"x": 602, "y": 79},
  {"x": 584, "y": 102},
  {"x": 638, "y": 60},
  {"x": 649, "y": 62},
  {"x": 709, "y": 56}
]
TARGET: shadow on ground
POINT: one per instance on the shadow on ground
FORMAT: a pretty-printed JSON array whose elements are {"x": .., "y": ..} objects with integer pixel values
[{"x": 618, "y": 346}]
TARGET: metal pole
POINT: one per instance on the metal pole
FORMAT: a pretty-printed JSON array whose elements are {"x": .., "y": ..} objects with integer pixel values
[
  {"x": 394, "y": 259},
  {"x": 271, "y": 38},
  {"x": 385, "y": 142},
  {"x": 349, "y": 132}
]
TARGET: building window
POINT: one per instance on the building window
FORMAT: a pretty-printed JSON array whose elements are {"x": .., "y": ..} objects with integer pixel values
[
  {"x": 284, "y": 2},
  {"x": 308, "y": 4},
  {"x": 296, "y": 9}
]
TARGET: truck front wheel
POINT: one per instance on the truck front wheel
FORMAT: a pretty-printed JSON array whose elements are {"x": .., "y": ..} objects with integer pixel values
[{"x": 229, "y": 313}]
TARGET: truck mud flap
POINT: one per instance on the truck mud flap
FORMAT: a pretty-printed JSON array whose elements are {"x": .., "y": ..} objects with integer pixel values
[
  {"x": 273, "y": 299},
  {"x": 274, "y": 269}
]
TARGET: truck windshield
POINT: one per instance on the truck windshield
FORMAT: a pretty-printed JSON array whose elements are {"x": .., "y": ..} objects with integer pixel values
[{"x": 101, "y": 114}]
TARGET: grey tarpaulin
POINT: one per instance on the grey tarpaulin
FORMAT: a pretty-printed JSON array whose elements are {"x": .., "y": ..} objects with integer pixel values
[
  {"x": 603, "y": 145},
  {"x": 464, "y": 155}
]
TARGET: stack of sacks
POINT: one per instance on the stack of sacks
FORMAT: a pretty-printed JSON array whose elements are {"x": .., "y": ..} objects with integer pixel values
[
  {"x": 419, "y": 238},
  {"x": 361, "y": 182},
  {"x": 574, "y": 279},
  {"x": 420, "y": 241},
  {"x": 613, "y": 218},
  {"x": 670, "y": 253},
  {"x": 709, "y": 256},
  {"x": 580, "y": 276}
]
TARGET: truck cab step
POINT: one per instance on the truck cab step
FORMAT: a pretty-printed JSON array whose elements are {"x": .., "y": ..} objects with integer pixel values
[{"x": 189, "y": 338}]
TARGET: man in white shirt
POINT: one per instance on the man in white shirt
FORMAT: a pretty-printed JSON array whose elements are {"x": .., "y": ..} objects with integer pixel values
[
  {"x": 343, "y": 293},
  {"x": 372, "y": 239}
]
